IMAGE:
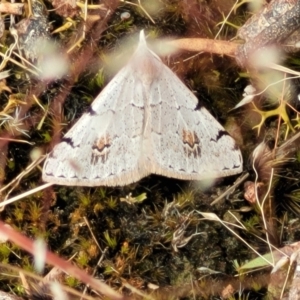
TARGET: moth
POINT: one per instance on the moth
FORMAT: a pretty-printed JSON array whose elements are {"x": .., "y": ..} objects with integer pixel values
[{"x": 144, "y": 121}]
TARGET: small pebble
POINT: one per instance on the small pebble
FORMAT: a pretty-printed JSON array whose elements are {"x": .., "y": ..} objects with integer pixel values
[{"x": 125, "y": 15}]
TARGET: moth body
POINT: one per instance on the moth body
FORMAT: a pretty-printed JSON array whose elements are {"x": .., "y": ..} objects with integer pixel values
[{"x": 144, "y": 121}]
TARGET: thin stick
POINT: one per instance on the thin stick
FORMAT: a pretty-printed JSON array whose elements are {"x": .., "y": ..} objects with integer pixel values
[
  {"x": 241, "y": 179},
  {"x": 28, "y": 193},
  {"x": 5, "y": 57},
  {"x": 17, "y": 141},
  {"x": 226, "y": 19},
  {"x": 11, "y": 8},
  {"x": 21, "y": 175}
]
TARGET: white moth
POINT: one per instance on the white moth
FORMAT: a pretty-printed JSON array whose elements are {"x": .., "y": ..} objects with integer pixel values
[{"x": 144, "y": 121}]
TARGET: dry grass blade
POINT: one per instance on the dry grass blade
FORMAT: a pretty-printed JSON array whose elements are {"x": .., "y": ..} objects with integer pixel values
[{"x": 23, "y": 195}]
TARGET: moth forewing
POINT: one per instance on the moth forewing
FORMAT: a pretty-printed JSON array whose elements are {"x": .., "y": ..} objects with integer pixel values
[
  {"x": 144, "y": 121},
  {"x": 193, "y": 144},
  {"x": 103, "y": 147}
]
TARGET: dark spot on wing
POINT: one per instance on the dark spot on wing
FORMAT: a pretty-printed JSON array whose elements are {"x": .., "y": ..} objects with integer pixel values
[
  {"x": 221, "y": 133},
  {"x": 91, "y": 112},
  {"x": 60, "y": 176},
  {"x": 141, "y": 107},
  {"x": 236, "y": 147},
  {"x": 198, "y": 106},
  {"x": 51, "y": 155},
  {"x": 69, "y": 141}
]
